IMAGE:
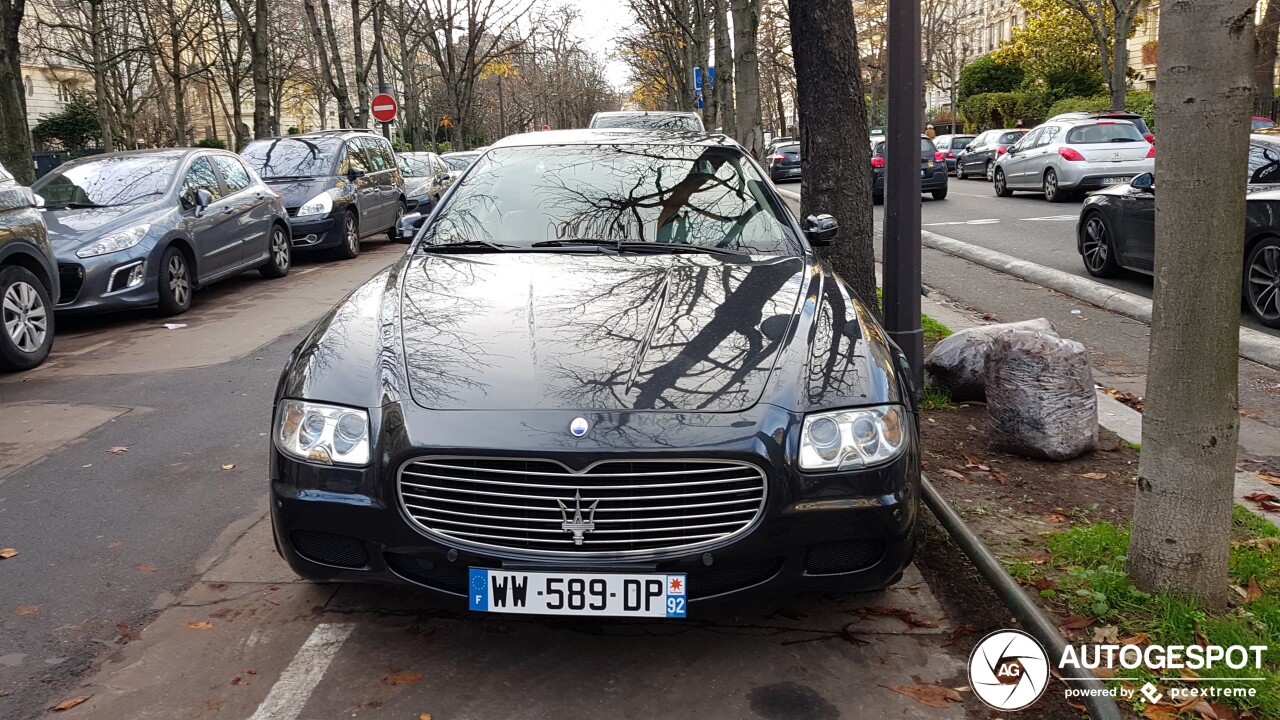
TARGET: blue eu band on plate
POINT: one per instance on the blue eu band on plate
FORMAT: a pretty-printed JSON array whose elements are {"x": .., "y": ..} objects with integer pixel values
[{"x": 564, "y": 593}]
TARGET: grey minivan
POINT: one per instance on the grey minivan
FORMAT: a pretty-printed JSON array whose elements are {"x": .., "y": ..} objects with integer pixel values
[
  {"x": 28, "y": 280},
  {"x": 339, "y": 186}
]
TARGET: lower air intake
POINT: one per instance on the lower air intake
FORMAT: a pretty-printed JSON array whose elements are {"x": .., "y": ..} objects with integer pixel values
[
  {"x": 330, "y": 549},
  {"x": 842, "y": 556}
]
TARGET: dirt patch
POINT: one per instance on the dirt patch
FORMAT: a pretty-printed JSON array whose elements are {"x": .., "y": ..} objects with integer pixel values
[{"x": 1010, "y": 502}]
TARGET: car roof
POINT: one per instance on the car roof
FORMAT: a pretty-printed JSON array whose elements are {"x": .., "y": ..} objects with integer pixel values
[
  {"x": 614, "y": 136},
  {"x": 340, "y": 132},
  {"x": 1269, "y": 134}
]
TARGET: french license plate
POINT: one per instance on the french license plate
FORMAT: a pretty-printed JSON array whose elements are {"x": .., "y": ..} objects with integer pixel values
[
  {"x": 1115, "y": 180},
  {"x": 543, "y": 593}
]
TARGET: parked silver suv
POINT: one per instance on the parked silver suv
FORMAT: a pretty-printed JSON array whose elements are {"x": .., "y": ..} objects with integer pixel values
[{"x": 1062, "y": 158}]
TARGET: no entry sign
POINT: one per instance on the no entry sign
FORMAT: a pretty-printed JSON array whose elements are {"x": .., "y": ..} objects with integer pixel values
[{"x": 384, "y": 108}]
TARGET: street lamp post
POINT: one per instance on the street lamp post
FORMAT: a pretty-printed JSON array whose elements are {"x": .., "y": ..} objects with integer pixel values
[{"x": 902, "y": 187}]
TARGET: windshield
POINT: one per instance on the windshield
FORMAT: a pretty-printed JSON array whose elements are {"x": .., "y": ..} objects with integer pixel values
[
  {"x": 293, "y": 157},
  {"x": 459, "y": 162},
  {"x": 416, "y": 166},
  {"x": 112, "y": 180},
  {"x": 1010, "y": 138},
  {"x": 1104, "y": 132},
  {"x": 692, "y": 195},
  {"x": 654, "y": 121}
]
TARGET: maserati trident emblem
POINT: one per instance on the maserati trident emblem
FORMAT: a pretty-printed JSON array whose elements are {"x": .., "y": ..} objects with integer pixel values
[
  {"x": 579, "y": 427},
  {"x": 577, "y": 525}
]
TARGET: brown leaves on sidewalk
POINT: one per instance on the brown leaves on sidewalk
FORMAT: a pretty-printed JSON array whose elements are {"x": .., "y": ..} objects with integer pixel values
[
  {"x": 401, "y": 677},
  {"x": 1266, "y": 501},
  {"x": 902, "y": 614},
  {"x": 70, "y": 703},
  {"x": 934, "y": 696},
  {"x": 126, "y": 633},
  {"x": 147, "y": 567},
  {"x": 1093, "y": 476},
  {"x": 1253, "y": 592},
  {"x": 199, "y": 624},
  {"x": 958, "y": 632},
  {"x": 27, "y": 610},
  {"x": 6, "y": 553},
  {"x": 954, "y": 475}
]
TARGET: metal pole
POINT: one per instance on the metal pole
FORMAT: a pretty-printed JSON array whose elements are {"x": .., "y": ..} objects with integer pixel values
[
  {"x": 901, "y": 254},
  {"x": 382, "y": 78}
]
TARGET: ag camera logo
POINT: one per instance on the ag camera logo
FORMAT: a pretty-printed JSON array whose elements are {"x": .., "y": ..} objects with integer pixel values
[{"x": 1009, "y": 670}]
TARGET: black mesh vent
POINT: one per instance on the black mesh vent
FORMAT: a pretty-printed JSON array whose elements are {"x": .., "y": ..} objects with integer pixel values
[
  {"x": 448, "y": 579},
  {"x": 330, "y": 549},
  {"x": 716, "y": 581},
  {"x": 843, "y": 556},
  {"x": 70, "y": 278}
]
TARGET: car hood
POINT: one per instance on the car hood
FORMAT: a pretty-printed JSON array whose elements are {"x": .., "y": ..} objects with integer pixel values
[
  {"x": 71, "y": 229},
  {"x": 297, "y": 192},
  {"x": 416, "y": 186}
]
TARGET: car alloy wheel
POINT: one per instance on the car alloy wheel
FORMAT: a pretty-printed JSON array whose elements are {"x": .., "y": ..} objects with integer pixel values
[
  {"x": 1262, "y": 278},
  {"x": 990, "y": 171},
  {"x": 960, "y": 171},
  {"x": 24, "y": 316},
  {"x": 1051, "y": 192},
  {"x": 179, "y": 280},
  {"x": 1095, "y": 247},
  {"x": 999, "y": 183},
  {"x": 280, "y": 249},
  {"x": 353, "y": 236}
]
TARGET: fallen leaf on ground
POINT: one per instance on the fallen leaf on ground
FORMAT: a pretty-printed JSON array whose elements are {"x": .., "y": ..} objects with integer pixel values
[
  {"x": 229, "y": 466},
  {"x": 114, "y": 545},
  {"x": 199, "y": 624},
  {"x": 7, "y": 553},
  {"x": 1104, "y": 672},
  {"x": 1267, "y": 502},
  {"x": 119, "y": 449},
  {"x": 1222, "y": 711},
  {"x": 1040, "y": 557},
  {"x": 902, "y": 614},
  {"x": 999, "y": 477},
  {"x": 1264, "y": 477},
  {"x": 1160, "y": 711},
  {"x": 1254, "y": 592},
  {"x": 1045, "y": 583},
  {"x": 934, "y": 696},
  {"x": 424, "y": 716},
  {"x": 1078, "y": 622},
  {"x": 955, "y": 475},
  {"x": 127, "y": 634},
  {"x": 957, "y": 633},
  {"x": 401, "y": 677},
  {"x": 4, "y": 693},
  {"x": 147, "y": 567},
  {"x": 971, "y": 464},
  {"x": 1201, "y": 640},
  {"x": 237, "y": 680},
  {"x": 1138, "y": 639},
  {"x": 1093, "y": 476},
  {"x": 1055, "y": 518},
  {"x": 216, "y": 586},
  {"x": 70, "y": 703},
  {"x": 27, "y": 609}
]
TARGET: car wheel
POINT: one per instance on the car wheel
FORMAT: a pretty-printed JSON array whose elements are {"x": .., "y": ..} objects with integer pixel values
[
  {"x": 1052, "y": 192},
  {"x": 1096, "y": 248},
  {"x": 1262, "y": 282},
  {"x": 990, "y": 171},
  {"x": 940, "y": 194},
  {"x": 1002, "y": 189},
  {"x": 395, "y": 225},
  {"x": 175, "y": 281},
  {"x": 350, "y": 246},
  {"x": 960, "y": 171},
  {"x": 26, "y": 320},
  {"x": 279, "y": 254}
]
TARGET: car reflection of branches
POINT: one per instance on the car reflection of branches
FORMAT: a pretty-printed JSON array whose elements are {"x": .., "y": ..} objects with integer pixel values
[
  {"x": 443, "y": 355},
  {"x": 835, "y": 358}
]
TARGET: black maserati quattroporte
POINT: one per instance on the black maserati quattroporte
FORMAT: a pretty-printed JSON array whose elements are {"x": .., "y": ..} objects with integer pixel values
[{"x": 610, "y": 377}]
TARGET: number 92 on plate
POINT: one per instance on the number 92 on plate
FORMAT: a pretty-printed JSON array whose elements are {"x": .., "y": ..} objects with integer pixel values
[{"x": 564, "y": 593}]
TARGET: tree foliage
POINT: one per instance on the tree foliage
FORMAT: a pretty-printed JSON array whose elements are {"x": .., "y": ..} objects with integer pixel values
[
  {"x": 76, "y": 126},
  {"x": 987, "y": 111},
  {"x": 1056, "y": 49},
  {"x": 989, "y": 75}
]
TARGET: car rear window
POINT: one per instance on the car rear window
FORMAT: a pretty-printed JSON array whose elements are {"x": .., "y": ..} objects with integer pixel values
[
  {"x": 658, "y": 121},
  {"x": 790, "y": 150},
  {"x": 1010, "y": 138},
  {"x": 1105, "y": 131},
  {"x": 926, "y": 147}
]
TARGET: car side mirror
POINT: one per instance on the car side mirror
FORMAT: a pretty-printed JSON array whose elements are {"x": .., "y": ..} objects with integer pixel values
[
  {"x": 1146, "y": 182},
  {"x": 203, "y": 200},
  {"x": 821, "y": 230},
  {"x": 354, "y": 173},
  {"x": 1013, "y": 150}
]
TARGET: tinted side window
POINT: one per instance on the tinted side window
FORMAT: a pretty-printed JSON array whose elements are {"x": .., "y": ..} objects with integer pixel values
[
  {"x": 1028, "y": 140},
  {"x": 1048, "y": 134},
  {"x": 379, "y": 156},
  {"x": 234, "y": 174},
  {"x": 1010, "y": 137},
  {"x": 356, "y": 159},
  {"x": 200, "y": 176},
  {"x": 1264, "y": 163}
]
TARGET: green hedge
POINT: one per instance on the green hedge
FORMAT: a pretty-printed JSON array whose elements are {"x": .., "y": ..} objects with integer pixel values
[{"x": 1000, "y": 109}]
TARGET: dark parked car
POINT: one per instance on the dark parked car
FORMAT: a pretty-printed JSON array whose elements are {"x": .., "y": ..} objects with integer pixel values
[
  {"x": 28, "y": 280},
  {"x": 978, "y": 159},
  {"x": 426, "y": 177},
  {"x": 1116, "y": 231},
  {"x": 150, "y": 227},
  {"x": 933, "y": 169},
  {"x": 339, "y": 186},
  {"x": 610, "y": 377},
  {"x": 950, "y": 146},
  {"x": 784, "y": 163}
]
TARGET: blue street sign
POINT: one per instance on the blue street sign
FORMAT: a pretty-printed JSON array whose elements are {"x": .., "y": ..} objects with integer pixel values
[
  {"x": 697, "y": 78},
  {"x": 711, "y": 75},
  {"x": 698, "y": 93}
]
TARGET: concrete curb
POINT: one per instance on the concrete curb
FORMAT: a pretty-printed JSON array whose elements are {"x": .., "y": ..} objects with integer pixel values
[
  {"x": 787, "y": 194},
  {"x": 1256, "y": 346}
]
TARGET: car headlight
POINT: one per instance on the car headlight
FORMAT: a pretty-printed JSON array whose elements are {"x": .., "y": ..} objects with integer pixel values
[
  {"x": 322, "y": 433},
  {"x": 318, "y": 205},
  {"x": 115, "y": 242},
  {"x": 851, "y": 439}
]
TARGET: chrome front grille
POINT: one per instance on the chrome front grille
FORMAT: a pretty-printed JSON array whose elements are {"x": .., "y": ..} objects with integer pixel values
[{"x": 612, "y": 508}]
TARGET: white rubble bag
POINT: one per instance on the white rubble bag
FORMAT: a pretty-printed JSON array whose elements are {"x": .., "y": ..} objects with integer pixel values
[
  {"x": 1040, "y": 395},
  {"x": 959, "y": 363}
]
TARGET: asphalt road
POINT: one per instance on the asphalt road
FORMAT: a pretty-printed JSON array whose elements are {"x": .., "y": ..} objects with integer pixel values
[{"x": 1024, "y": 226}]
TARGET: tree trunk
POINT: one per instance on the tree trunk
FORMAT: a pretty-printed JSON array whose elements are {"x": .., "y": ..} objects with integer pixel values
[
  {"x": 1182, "y": 515},
  {"x": 746, "y": 71},
  {"x": 259, "y": 63},
  {"x": 780, "y": 129},
  {"x": 362, "y": 78},
  {"x": 15, "y": 141},
  {"x": 107, "y": 141},
  {"x": 725, "y": 115},
  {"x": 1120, "y": 60},
  {"x": 337, "y": 85},
  {"x": 833, "y": 117},
  {"x": 1264, "y": 65}
]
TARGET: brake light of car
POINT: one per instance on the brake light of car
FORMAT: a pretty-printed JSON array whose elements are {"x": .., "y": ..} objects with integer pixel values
[
  {"x": 877, "y": 161},
  {"x": 939, "y": 157},
  {"x": 1001, "y": 150},
  {"x": 1069, "y": 153},
  {"x": 951, "y": 153},
  {"x": 1152, "y": 152},
  {"x": 1106, "y": 122},
  {"x": 1150, "y": 138},
  {"x": 777, "y": 159}
]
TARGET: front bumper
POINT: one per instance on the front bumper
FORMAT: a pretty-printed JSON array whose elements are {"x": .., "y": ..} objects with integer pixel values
[
  {"x": 316, "y": 233},
  {"x": 101, "y": 283},
  {"x": 838, "y": 532}
]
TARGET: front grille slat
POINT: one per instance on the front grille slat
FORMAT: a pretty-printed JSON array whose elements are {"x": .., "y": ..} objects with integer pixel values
[{"x": 641, "y": 507}]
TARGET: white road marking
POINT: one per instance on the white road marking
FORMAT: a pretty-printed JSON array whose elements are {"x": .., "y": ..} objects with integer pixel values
[
  {"x": 984, "y": 221},
  {"x": 304, "y": 272},
  {"x": 297, "y": 682},
  {"x": 1053, "y": 217},
  {"x": 91, "y": 348}
]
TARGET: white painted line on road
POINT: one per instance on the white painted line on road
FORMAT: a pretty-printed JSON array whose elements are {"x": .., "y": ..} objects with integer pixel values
[
  {"x": 91, "y": 348},
  {"x": 984, "y": 221},
  {"x": 1053, "y": 217},
  {"x": 297, "y": 682},
  {"x": 304, "y": 272}
]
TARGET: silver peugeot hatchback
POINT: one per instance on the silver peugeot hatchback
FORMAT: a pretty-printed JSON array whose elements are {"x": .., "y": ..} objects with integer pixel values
[{"x": 1064, "y": 158}]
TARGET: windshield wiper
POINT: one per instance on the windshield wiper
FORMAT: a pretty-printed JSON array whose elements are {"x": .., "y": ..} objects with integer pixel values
[
  {"x": 598, "y": 242},
  {"x": 656, "y": 247},
  {"x": 468, "y": 246},
  {"x": 78, "y": 206}
]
